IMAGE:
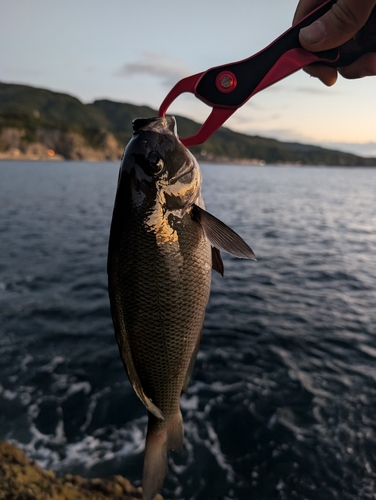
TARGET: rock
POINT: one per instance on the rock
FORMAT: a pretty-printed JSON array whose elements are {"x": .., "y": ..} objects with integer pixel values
[
  {"x": 23, "y": 479},
  {"x": 53, "y": 144}
]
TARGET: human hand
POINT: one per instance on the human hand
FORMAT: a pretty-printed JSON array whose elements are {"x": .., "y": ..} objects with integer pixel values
[{"x": 350, "y": 24}]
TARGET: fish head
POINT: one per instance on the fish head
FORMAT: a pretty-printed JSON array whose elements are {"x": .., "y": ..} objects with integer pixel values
[{"x": 159, "y": 167}]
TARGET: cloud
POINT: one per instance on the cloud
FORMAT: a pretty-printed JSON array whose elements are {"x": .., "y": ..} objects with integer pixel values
[{"x": 153, "y": 64}]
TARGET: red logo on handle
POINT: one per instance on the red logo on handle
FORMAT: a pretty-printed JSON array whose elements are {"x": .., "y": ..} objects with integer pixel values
[{"x": 226, "y": 82}]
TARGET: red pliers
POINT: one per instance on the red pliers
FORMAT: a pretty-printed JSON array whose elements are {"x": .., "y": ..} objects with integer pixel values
[{"x": 226, "y": 88}]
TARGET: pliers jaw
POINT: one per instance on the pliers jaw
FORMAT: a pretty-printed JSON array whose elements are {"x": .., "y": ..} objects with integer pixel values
[
  {"x": 215, "y": 120},
  {"x": 225, "y": 81}
]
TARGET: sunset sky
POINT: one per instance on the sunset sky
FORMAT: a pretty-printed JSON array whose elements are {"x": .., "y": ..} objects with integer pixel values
[{"x": 134, "y": 51}]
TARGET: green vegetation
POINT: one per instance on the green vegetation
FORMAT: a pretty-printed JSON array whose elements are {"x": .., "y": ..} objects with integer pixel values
[{"x": 30, "y": 109}]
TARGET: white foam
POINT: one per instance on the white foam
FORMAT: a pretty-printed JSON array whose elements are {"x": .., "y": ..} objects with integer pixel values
[
  {"x": 189, "y": 403},
  {"x": 53, "y": 452},
  {"x": 50, "y": 367},
  {"x": 7, "y": 394},
  {"x": 26, "y": 360},
  {"x": 92, "y": 405},
  {"x": 214, "y": 446},
  {"x": 78, "y": 387}
]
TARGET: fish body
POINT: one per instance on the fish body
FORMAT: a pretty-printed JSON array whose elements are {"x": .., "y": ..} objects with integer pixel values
[{"x": 159, "y": 266}]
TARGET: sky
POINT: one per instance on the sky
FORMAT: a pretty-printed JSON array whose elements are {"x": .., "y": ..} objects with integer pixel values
[{"x": 135, "y": 51}]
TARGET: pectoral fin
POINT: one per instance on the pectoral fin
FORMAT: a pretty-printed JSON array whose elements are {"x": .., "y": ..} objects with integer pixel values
[{"x": 221, "y": 236}]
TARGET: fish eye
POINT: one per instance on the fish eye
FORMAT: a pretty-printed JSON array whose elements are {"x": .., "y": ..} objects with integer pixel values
[{"x": 156, "y": 162}]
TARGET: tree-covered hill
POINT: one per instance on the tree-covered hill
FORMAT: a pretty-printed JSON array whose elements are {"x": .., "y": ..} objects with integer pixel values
[{"x": 51, "y": 118}]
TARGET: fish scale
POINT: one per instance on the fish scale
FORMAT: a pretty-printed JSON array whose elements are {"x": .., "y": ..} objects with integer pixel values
[{"x": 163, "y": 306}]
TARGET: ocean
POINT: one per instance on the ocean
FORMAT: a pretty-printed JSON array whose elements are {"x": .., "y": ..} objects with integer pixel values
[{"x": 282, "y": 403}]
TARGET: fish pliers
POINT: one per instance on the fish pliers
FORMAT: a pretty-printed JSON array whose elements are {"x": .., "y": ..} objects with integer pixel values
[{"x": 225, "y": 88}]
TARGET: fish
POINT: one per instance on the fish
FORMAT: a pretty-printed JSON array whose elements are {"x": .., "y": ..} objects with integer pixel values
[{"x": 163, "y": 245}]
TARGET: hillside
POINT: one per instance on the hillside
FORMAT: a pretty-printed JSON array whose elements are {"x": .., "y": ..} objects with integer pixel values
[{"x": 40, "y": 123}]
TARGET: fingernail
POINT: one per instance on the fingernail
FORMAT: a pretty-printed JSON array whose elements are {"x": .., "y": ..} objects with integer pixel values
[{"x": 314, "y": 33}]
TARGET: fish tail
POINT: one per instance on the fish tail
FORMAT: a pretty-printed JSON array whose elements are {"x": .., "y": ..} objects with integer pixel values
[
  {"x": 175, "y": 432},
  {"x": 155, "y": 462},
  {"x": 161, "y": 435}
]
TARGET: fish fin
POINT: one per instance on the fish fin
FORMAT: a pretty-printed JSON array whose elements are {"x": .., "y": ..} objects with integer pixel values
[
  {"x": 155, "y": 461},
  {"x": 126, "y": 356},
  {"x": 161, "y": 435},
  {"x": 217, "y": 262},
  {"x": 175, "y": 432},
  {"x": 191, "y": 365},
  {"x": 222, "y": 236},
  {"x": 137, "y": 387}
]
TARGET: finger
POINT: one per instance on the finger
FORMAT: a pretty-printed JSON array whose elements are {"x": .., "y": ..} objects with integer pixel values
[
  {"x": 337, "y": 26},
  {"x": 305, "y": 7},
  {"x": 326, "y": 74},
  {"x": 364, "y": 66}
]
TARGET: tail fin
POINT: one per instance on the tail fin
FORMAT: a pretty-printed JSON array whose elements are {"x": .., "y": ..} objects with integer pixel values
[
  {"x": 161, "y": 435},
  {"x": 175, "y": 432},
  {"x": 155, "y": 462}
]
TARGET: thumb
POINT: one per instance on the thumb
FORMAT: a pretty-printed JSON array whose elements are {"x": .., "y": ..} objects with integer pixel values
[{"x": 337, "y": 26}]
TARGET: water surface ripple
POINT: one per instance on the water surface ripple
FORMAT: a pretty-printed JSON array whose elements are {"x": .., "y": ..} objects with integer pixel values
[{"x": 282, "y": 401}]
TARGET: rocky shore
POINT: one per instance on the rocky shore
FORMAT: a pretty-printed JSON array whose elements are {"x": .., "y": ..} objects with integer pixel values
[
  {"x": 53, "y": 144},
  {"x": 23, "y": 479},
  {"x": 59, "y": 145}
]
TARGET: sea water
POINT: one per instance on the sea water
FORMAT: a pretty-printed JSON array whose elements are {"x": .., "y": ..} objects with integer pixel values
[{"x": 283, "y": 397}]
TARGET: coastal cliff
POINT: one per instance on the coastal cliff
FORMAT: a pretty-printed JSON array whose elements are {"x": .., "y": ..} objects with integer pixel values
[
  {"x": 54, "y": 144},
  {"x": 21, "y": 478}
]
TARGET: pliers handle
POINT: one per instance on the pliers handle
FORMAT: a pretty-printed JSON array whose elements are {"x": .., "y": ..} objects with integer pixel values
[{"x": 226, "y": 88}]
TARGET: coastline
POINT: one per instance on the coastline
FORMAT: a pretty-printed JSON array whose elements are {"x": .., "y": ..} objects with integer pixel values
[
  {"x": 57, "y": 145},
  {"x": 111, "y": 152},
  {"x": 39, "y": 152},
  {"x": 39, "y": 124}
]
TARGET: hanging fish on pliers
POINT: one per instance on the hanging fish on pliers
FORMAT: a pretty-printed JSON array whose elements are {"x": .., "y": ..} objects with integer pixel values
[{"x": 163, "y": 242}]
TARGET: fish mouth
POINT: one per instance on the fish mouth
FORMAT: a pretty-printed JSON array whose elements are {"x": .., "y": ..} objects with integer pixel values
[{"x": 160, "y": 124}]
